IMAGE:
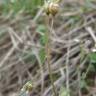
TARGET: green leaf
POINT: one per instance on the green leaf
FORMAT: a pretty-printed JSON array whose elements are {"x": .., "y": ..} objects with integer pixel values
[
  {"x": 64, "y": 92},
  {"x": 43, "y": 37},
  {"x": 41, "y": 29},
  {"x": 83, "y": 84},
  {"x": 92, "y": 57},
  {"x": 42, "y": 55}
]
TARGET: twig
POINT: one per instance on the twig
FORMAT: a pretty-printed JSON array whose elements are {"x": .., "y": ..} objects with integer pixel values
[
  {"x": 91, "y": 32},
  {"x": 67, "y": 65}
]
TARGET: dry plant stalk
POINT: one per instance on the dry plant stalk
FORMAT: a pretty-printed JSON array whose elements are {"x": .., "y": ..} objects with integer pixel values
[
  {"x": 51, "y": 8},
  {"x": 48, "y": 51}
]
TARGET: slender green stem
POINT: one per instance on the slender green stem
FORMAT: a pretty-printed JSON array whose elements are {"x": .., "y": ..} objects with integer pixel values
[{"x": 48, "y": 51}]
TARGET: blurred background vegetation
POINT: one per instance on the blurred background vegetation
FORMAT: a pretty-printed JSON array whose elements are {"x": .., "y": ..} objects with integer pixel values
[{"x": 23, "y": 28}]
